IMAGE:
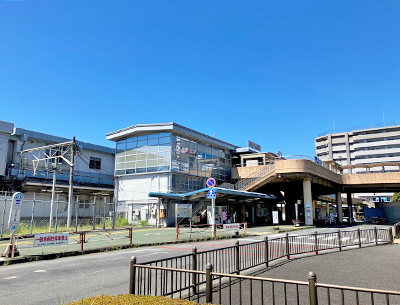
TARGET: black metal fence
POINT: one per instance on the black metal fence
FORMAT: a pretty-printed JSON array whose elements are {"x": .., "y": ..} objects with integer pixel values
[{"x": 189, "y": 276}]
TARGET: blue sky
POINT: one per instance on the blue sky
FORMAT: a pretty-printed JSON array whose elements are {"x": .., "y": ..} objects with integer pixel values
[{"x": 274, "y": 72}]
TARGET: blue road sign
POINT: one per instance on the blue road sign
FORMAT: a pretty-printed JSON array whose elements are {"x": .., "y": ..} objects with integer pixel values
[
  {"x": 211, "y": 194},
  {"x": 211, "y": 182}
]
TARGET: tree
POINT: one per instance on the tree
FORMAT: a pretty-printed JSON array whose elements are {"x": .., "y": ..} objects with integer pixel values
[{"x": 396, "y": 197}]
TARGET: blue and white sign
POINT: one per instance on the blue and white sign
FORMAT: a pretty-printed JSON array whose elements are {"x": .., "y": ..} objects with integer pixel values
[
  {"x": 15, "y": 212},
  {"x": 211, "y": 194}
]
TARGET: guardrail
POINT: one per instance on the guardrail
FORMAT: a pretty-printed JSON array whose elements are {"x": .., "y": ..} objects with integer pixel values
[
  {"x": 190, "y": 269},
  {"x": 81, "y": 238},
  {"x": 238, "y": 289},
  {"x": 195, "y": 230}
]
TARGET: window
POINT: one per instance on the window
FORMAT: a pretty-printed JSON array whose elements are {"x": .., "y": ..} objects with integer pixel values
[{"x": 95, "y": 163}]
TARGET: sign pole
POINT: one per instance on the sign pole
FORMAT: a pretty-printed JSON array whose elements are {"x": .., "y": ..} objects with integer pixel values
[
  {"x": 213, "y": 216},
  {"x": 13, "y": 224}
]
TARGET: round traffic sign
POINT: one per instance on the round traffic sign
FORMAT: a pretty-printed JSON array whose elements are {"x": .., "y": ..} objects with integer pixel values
[{"x": 211, "y": 182}]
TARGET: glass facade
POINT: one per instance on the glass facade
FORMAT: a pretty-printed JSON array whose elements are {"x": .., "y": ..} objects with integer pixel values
[
  {"x": 143, "y": 154},
  {"x": 191, "y": 162}
]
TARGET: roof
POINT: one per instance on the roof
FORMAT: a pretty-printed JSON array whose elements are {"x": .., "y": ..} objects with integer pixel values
[
  {"x": 55, "y": 139},
  {"x": 220, "y": 193},
  {"x": 157, "y": 127}
]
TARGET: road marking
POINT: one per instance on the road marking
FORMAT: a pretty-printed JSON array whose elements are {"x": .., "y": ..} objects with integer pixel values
[
  {"x": 10, "y": 278},
  {"x": 40, "y": 271},
  {"x": 152, "y": 254},
  {"x": 152, "y": 234}
]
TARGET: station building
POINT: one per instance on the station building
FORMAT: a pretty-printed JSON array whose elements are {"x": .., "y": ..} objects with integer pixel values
[{"x": 168, "y": 158}]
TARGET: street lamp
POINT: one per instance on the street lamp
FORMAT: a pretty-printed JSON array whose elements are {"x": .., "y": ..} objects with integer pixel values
[{"x": 54, "y": 166}]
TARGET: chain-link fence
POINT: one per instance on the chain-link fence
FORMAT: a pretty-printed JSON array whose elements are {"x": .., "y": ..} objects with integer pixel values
[{"x": 39, "y": 214}]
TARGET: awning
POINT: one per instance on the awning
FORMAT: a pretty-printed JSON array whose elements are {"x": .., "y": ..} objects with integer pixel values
[{"x": 221, "y": 193}]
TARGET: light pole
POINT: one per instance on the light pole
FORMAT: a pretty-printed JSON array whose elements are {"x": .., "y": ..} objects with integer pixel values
[{"x": 54, "y": 166}]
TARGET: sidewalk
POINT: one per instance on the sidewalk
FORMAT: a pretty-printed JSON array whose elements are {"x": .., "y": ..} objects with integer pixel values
[{"x": 98, "y": 241}]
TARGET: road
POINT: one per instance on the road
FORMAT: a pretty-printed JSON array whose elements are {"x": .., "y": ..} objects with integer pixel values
[{"x": 74, "y": 278}]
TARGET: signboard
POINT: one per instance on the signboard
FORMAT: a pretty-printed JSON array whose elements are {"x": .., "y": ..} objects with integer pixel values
[
  {"x": 254, "y": 145},
  {"x": 307, "y": 211},
  {"x": 15, "y": 211},
  {"x": 211, "y": 194},
  {"x": 275, "y": 217},
  {"x": 231, "y": 227},
  {"x": 51, "y": 239},
  {"x": 183, "y": 210},
  {"x": 210, "y": 182}
]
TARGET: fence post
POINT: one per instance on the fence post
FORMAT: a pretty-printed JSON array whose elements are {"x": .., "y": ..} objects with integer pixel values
[
  {"x": 215, "y": 230},
  {"x": 94, "y": 213},
  {"x": 209, "y": 283},
  {"x": 4, "y": 213},
  {"x": 376, "y": 236},
  {"x": 194, "y": 267},
  {"x": 76, "y": 213},
  {"x": 359, "y": 237},
  {"x": 266, "y": 251},
  {"x": 130, "y": 236},
  {"x": 316, "y": 242},
  {"x": 58, "y": 205},
  {"x": 82, "y": 239},
  {"x": 104, "y": 213},
  {"x": 177, "y": 232},
  {"x": 133, "y": 276},
  {"x": 390, "y": 236},
  {"x": 237, "y": 257},
  {"x": 287, "y": 246},
  {"x": 312, "y": 280},
  {"x": 33, "y": 210},
  {"x": 339, "y": 240}
]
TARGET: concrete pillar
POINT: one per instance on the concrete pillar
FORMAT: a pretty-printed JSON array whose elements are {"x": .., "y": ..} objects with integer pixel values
[
  {"x": 339, "y": 206},
  {"x": 350, "y": 206},
  {"x": 252, "y": 213},
  {"x": 243, "y": 212},
  {"x": 309, "y": 208}
]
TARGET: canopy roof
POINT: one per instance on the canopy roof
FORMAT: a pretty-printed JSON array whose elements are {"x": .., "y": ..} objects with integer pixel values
[{"x": 221, "y": 193}]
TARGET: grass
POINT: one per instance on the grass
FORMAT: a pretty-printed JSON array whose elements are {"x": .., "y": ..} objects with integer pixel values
[
  {"x": 25, "y": 228},
  {"x": 125, "y": 299}
]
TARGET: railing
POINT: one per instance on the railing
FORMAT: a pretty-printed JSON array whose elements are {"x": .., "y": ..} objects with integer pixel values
[
  {"x": 208, "y": 285},
  {"x": 254, "y": 177},
  {"x": 197, "y": 230},
  {"x": 189, "y": 270}
]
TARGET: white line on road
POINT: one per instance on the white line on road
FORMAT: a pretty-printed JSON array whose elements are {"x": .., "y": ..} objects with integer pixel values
[
  {"x": 10, "y": 278},
  {"x": 40, "y": 271}
]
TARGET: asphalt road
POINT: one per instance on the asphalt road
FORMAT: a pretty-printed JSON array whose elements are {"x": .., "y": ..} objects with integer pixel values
[{"x": 73, "y": 278}]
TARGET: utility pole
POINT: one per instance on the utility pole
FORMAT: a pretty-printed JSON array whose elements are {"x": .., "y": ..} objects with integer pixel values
[{"x": 71, "y": 183}]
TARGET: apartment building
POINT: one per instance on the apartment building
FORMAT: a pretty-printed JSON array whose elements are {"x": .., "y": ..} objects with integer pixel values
[
  {"x": 360, "y": 145},
  {"x": 373, "y": 146}
]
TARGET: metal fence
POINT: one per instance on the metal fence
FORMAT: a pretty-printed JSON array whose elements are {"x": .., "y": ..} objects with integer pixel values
[
  {"x": 184, "y": 275},
  {"x": 41, "y": 215},
  {"x": 223, "y": 288}
]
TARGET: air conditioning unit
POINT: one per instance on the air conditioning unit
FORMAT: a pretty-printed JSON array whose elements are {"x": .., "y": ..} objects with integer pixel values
[
  {"x": 153, "y": 211},
  {"x": 137, "y": 212}
]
